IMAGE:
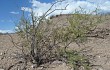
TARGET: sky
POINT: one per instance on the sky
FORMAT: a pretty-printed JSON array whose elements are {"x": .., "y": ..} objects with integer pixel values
[{"x": 11, "y": 10}]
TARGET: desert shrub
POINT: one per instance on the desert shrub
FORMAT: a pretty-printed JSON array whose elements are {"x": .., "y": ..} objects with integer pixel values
[
  {"x": 44, "y": 44},
  {"x": 75, "y": 60},
  {"x": 79, "y": 28}
]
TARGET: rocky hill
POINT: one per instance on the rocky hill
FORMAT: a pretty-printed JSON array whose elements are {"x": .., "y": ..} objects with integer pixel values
[{"x": 99, "y": 48}]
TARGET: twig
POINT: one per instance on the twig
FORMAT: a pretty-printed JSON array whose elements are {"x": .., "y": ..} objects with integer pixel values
[
  {"x": 15, "y": 45},
  {"x": 11, "y": 66}
]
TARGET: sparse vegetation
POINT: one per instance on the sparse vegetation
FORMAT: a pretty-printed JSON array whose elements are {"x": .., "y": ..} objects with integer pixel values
[
  {"x": 42, "y": 44},
  {"x": 76, "y": 60}
]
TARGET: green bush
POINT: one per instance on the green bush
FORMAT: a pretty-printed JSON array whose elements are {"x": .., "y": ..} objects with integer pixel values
[
  {"x": 44, "y": 44},
  {"x": 76, "y": 60}
]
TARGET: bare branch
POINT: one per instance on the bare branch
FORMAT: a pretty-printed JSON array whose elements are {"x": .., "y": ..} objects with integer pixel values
[{"x": 15, "y": 44}]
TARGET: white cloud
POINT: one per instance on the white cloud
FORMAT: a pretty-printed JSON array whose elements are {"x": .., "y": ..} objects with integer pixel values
[
  {"x": 14, "y": 12},
  {"x": 26, "y": 9},
  {"x": 40, "y": 8},
  {"x": 97, "y": 1},
  {"x": 8, "y": 21},
  {"x": 6, "y": 31}
]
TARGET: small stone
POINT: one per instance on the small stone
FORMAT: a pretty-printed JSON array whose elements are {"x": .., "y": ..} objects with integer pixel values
[
  {"x": 34, "y": 66},
  {"x": 82, "y": 68},
  {"x": 98, "y": 56},
  {"x": 1, "y": 53}
]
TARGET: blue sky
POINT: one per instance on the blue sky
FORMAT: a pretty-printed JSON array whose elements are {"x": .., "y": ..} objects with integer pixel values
[
  {"x": 9, "y": 13},
  {"x": 10, "y": 10}
]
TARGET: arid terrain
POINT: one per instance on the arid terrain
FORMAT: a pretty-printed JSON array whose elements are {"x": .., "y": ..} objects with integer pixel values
[{"x": 97, "y": 47}]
